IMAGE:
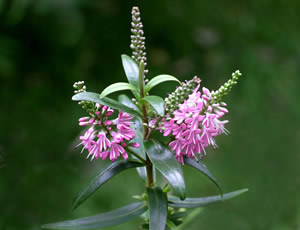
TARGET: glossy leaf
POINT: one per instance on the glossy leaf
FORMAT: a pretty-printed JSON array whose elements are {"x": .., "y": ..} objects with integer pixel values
[
  {"x": 157, "y": 208},
  {"x": 131, "y": 70},
  {"x": 159, "y": 79},
  {"x": 203, "y": 201},
  {"x": 165, "y": 162},
  {"x": 94, "y": 97},
  {"x": 101, "y": 177},
  {"x": 125, "y": 100},
  {"x": 115, "y": 217},
  {"x": 138, "y": 134},
  {"x": 119, "y": 86},
  {"x": 157, "y": 103},
  {"x": 202, "y": 168}
]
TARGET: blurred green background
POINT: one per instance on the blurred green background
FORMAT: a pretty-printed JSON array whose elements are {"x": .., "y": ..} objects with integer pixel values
[{"x": 47, "y": 45}]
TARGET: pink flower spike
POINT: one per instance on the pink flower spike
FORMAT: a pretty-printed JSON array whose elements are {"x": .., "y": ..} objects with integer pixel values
[
  {"x": 135, "y": 145},
  {"x": 104, "y": 155},
  {"x": 118, "y": 137},
  {"x": 82, "y": 119},
  {"x": 115, "y": 151},
  {"x": 126, "y": 132},
  {"x": 83, "y": 123},
  {"x": 108, "y": 122},
  {"x": 123, "y": 119},
  {"x": 109, "y": 112}
]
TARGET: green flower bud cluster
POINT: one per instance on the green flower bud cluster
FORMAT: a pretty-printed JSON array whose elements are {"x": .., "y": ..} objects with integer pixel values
[
  {"x": 225, "y": 89},
  {"x": 89, "y": 106},
  {"x": 180, "y": 94},
  {"x": 138, "y": 39}
]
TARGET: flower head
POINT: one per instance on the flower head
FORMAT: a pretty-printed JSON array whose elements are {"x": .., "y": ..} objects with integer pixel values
[
  {"x": 195, "y": 124},
  {"x": 106, "y": 137}
]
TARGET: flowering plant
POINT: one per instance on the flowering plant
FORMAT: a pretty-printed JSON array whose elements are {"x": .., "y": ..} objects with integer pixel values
[{"x": 191, "y": 117}]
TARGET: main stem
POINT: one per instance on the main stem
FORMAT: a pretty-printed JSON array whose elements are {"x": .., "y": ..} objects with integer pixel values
[{"x": 147, "y": 132}]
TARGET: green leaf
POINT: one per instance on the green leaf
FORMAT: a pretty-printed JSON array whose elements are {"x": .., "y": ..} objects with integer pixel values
[
  {"x": 157, "y": 208},
  {"x": 117, "y": 87},
  {"x": 164, "y": 160},
  {"x": 157, "y": 103},
  {"x": 123, "y": 99},
  {"x": 202, "y": 168},
  {"x": 159, "y": 79},
  {"x": 138, "y": 134},
  {"x": 101, "y": 177},
  {"x": 131, "y": 70},
  {"x": 94, "y": 97},
  {"x": 115, "y": 217},
  {"x": 203, "y": 201}
]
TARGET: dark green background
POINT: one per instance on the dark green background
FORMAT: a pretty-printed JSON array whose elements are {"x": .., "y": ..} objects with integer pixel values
[{"x": 47, "y": 45}]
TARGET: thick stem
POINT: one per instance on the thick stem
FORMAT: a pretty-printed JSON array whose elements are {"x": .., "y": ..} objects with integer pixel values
[
  {"x": 149, "y": 168},
  {"x": 147, "y": 130}
]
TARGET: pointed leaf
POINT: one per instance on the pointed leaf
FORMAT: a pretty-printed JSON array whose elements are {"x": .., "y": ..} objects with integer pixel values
[
  {"x": 159, "y": 79},
  {"x": 164, "y": 160},
  {"x": 131, "y": 70},
  {"x": 132, "y": 73},
  {"x": 157, "y": 103},
  {"x": 157, "y": 208},
  {"x": 202, "y": 168},
  {"x": 101, "y": 177},
  {"x": 123, "y": 99},
  {"x": 115, "y": 217},
  {"x": 203, "y": 201},
  {"x": 94, "y": 97},
  {"x": 119, "y": 86},
  {"x": 138, "y": 134}
]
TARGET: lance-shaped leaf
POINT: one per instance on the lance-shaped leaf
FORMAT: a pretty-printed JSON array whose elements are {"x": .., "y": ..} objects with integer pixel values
[
  {"x": 125, "y": 100},
  {"x": 138, "y": 134},
  {"x": 101, "y": 177},
  {"x": 159, "y": 79},
  {"x": 115, "y": 217},
  {"x": 119, "y": 86},
  {"x": 202, "y": 168},
  {"x": 157, "y": 103},
  {"x": 132, "y": 72},
  {"x": 203, "y": 201},
  {"x": 165, "y": 162},
  {"x": 157, "y": 208},
  {"x": 94, "y": 97}
]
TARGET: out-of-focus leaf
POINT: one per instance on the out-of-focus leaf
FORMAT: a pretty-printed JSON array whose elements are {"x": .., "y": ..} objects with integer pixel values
[
  {"x": 101, "y": 177},
  {"x": 164, "y": 160},
  {"x": 157, "y": 208},
  {"x": 94, "y": 97},
  {"x": 119, "y": 86},
  {"x": 202, "y": 168},
  {"x": 203, "y": 201},
  {"x": 115, "y": 217},
  {"x": 159, "y": 79},
  {"x": 157, "y": 103}
]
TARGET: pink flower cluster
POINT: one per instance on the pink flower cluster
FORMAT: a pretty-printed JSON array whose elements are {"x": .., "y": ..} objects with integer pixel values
[
  {"x": 195, "y": 124},
  {"x": 107, "y": 137}
]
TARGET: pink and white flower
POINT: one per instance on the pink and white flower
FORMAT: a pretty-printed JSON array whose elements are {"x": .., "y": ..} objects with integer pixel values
[{"x": 195, "y": 125}]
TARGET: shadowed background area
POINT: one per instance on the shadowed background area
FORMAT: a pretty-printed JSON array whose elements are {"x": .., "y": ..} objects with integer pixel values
[{"x": 45, "y": 46}]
